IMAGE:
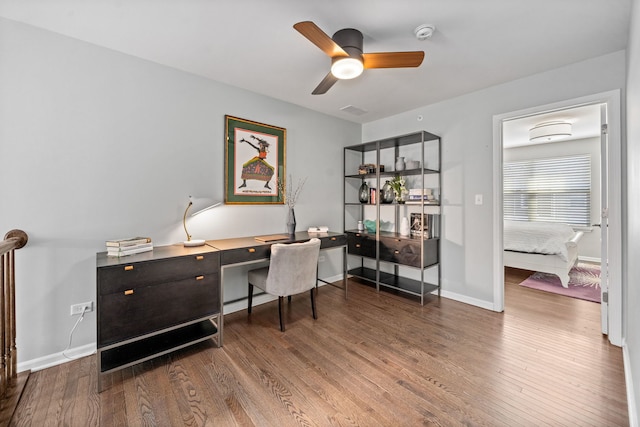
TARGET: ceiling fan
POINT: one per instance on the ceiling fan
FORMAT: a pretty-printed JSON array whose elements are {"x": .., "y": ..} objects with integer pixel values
[{"x": 347, "y": 59}]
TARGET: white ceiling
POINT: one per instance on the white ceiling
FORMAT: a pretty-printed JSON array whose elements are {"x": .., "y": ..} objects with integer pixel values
[{"x": 252, "y": 44}]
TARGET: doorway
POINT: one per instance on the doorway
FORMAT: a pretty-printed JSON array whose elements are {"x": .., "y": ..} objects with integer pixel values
[{"x": 611, "y": 253}]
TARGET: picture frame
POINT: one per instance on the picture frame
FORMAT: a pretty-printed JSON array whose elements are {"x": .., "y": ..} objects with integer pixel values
[
  {"x": 417, "y": 228},
  {"x": 254, "y": 162}
]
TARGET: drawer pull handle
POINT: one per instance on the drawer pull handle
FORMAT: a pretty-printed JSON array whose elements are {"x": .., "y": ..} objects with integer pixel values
[
  {"x": 396, "y": 252},
  {"x": 252, "y": 250},
  {"x": 333, "y": 238},
  {"x": 357, "y": 234},
  {"x": 128, "y": 267},
  {"x": 200, "y": 257},
  {"x": 128, "y": 292},
  {"x": 357, "y": 245},
  {"x": 199, "y": 277}
]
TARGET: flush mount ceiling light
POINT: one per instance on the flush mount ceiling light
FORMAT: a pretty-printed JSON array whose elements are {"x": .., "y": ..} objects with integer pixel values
[
  {"x": 346, "y": 68},
  {"x": 550, "y": 131}
]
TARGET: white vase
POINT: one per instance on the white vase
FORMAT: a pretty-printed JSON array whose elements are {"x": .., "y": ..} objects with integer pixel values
[
  {"x": 400, "y": 164},
  {"x": 404, "y": 227}
]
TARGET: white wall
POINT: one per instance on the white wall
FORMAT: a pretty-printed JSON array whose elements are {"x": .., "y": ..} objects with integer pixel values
[
  {"x": 465, "y": 126},
  {"x": 96, "y": 145},
  {"x": 631, "y": 290},
  {"x": 589, "y": 248}
]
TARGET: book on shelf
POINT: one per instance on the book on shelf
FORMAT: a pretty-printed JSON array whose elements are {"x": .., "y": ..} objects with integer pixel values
[
  {"x": 130, "y": 247},
  {"x": 419, "y": 191},
  {"x": 131, "y": 241},
  {"x": 119, "y": 252},
  {"x": 423, "y": 202},
  {"x": 419, "y": 197}
]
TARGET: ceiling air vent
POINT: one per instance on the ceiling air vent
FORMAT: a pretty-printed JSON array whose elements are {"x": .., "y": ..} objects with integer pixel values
[{"x": 353, "y": 110}]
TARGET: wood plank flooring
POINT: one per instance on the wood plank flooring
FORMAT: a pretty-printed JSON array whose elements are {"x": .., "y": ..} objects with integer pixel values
[{"x": 373, "y": 359}]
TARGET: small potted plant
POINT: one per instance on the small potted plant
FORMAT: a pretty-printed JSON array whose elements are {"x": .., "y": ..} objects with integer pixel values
[{"x": 400, "y": 191}]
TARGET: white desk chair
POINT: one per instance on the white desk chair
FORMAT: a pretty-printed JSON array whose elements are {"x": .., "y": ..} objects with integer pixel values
[{"x": 293, "y": 269}]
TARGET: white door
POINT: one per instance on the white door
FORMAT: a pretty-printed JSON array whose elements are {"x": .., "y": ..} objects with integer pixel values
[{"x": 604, "y": 221}]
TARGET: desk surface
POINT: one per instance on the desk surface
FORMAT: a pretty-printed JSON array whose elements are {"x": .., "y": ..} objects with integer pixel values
[
  {"x": 158, "y": 252},
  {"x": 246, "y": 242}
]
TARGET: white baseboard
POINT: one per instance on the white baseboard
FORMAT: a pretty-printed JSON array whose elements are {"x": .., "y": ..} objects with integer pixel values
[
  {"x": 628, "y": 378},
  {"x": 57, "y": 358},
  {"x": 241, "y": 304},
  {"x": 589, "y": 259},
  {"x": 487, "y": 305}
]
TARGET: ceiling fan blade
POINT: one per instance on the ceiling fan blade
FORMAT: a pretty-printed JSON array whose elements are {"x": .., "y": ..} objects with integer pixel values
[
  {"x": 326, "y": 83},
  {"x": 318, "y": 37},
  {"x": 392, "y": 59}
]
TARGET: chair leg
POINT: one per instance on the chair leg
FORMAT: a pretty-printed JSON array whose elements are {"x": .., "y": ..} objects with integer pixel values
[
  {"x": 280, "y": 313},
  {"x": 313, "y": 303},
  {"x": 250, "y": 298}
]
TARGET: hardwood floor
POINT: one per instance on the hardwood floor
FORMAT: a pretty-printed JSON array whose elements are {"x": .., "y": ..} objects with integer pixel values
[{"x": 374, "y": 359}]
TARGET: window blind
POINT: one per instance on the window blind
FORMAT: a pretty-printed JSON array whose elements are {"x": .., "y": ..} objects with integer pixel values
[{"x": 549, "y": 190}]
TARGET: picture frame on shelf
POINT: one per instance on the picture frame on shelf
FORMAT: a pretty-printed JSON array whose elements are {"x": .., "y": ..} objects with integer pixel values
[
  {"x": 417, "y": 227},
  {"x": 254, "y": 162}
]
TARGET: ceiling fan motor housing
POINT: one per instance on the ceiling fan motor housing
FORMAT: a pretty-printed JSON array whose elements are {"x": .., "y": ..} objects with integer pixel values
[{"x": 350, "y": 40}]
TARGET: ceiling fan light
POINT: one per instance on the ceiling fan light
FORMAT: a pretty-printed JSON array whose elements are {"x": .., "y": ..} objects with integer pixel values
[
  {"x": 346, "y": 68},
  {"x": 549, "y": 131}
]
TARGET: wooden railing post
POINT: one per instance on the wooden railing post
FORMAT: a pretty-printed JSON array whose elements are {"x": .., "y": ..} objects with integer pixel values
[{"x": 10, "y": 389}]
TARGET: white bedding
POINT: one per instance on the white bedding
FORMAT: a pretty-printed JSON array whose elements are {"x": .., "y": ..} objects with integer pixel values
[{"x": 538, "y": 237}]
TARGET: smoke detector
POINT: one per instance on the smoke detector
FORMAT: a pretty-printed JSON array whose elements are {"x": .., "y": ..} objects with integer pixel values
[{"x": 424, "y": 31}]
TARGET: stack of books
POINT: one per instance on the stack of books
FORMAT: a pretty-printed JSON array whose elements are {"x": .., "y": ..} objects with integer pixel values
[
  {"x": 318, "y": 229},
  {"x": 130, "y": 246},
  {"x": 421, "y": 195}
]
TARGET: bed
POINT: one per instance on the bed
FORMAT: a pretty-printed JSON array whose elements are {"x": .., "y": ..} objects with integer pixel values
[{"x": 540, "y": 246}]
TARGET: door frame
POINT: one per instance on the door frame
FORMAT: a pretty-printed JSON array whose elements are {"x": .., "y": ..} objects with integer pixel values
[{"x": 612, "y": 99}]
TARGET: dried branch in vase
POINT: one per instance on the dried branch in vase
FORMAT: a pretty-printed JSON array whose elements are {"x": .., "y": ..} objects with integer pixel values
[{"x": 291, "y": 192}]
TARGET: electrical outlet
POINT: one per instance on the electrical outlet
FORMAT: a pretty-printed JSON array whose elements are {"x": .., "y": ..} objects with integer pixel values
[{"x": 77, "y": 308}]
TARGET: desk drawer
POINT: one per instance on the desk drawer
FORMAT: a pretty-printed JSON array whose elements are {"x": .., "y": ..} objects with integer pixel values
[
  {"x": 332, "y": 241},
  {"x": 117, "y": 278},
  {"x": 361, "y": 244},
  {"x": 250, "y": 253},
  {"x": 144, "y": 309}
]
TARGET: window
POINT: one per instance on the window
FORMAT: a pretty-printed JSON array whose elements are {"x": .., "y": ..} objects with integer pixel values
[{"x": 549, "y": 190}]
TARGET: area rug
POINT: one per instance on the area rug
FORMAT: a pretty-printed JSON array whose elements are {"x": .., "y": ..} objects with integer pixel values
[{"x": 584, "y": 283}]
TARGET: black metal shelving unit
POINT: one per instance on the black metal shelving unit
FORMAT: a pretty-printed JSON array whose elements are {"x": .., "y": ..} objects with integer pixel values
[{"x": 383, "y": 256}]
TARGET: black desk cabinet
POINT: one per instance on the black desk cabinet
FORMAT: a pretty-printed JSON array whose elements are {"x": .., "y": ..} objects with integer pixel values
[{"x": 156, "y": 302}]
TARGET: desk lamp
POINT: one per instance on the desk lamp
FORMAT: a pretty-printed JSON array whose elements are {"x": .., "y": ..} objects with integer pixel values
[{"x": 199, "y": 205}]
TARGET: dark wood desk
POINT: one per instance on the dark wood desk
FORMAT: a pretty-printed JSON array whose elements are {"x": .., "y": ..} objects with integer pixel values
[
  {"x": 247, "y": 250},
  {"x": 156, "y": 302}
]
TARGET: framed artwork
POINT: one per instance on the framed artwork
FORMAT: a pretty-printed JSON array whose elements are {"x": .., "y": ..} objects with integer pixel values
[{"x": 254, "y": 162}]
